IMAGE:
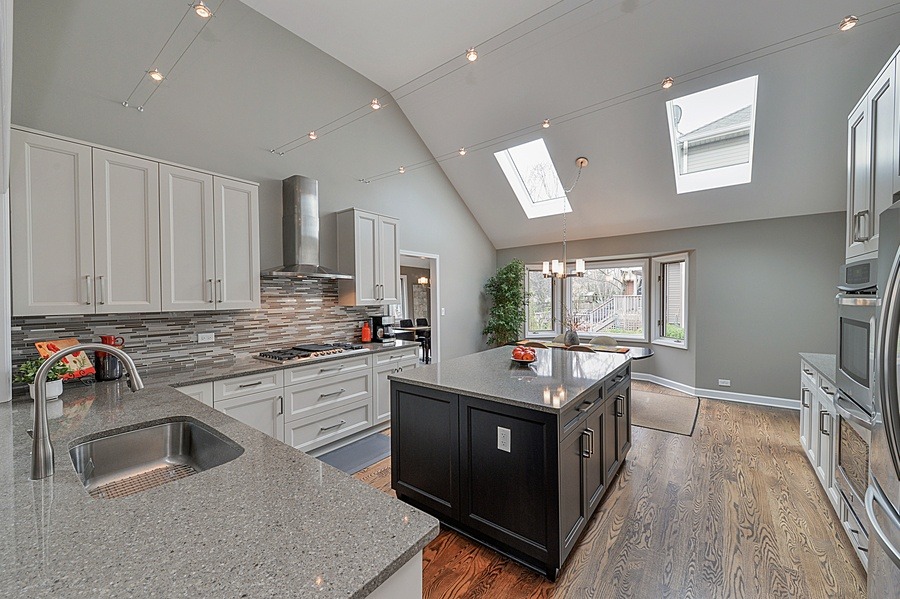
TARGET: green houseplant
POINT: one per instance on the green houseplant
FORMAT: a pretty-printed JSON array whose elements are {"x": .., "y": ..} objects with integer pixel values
[
  {"x": 506, "y": 317},
  {"x": 28, "y": 369}
]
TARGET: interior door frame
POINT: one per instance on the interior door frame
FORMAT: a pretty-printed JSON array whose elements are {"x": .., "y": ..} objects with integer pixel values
[{"x": 434, "y": 267}]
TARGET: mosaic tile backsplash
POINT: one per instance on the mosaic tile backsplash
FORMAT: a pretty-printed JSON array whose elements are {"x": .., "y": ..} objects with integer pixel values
[{"x": 291, "y": 311}]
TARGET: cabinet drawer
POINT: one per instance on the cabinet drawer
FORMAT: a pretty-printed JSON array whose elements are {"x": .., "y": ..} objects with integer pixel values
[
  {"x": 245, "y": 385},
  {"x": 621, "y": 377},
  {"x": 314, "y": 372},
  {"x": 396, "y": 355},
  {"x": 320, "y": 429},
  {"x": 573, "y": 415},
  {"x": 202, "y": 392},
  {"x": 305, "y": 399}
]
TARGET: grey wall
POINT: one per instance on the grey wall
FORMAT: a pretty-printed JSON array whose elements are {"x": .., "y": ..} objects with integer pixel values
[
  {"x": 760, "y": 292},
  {"x": 246, "y": 85}
]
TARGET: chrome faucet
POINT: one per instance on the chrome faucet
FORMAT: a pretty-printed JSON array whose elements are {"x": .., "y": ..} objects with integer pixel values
[{"x": 41, "y": 448}]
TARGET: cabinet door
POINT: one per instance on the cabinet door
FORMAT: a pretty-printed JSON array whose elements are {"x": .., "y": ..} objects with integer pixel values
[
  {"x": 52, "y": 233},
  {"x": 367, "y": 270},
  {"x": 264, "y": 411},
  {"x": 126, "y": 233},
  {"x": 610, "y": 441},
  {"x": 237, "y": 244},
  {"x": 823, "y": 456},
  {"x": 859, "y": 210},
  {"x": 594, "y": 471},
  {"x": 202, "y": 392},
  {"x": 389, "y": 260},
  {"x": 622, "y": 403},
  {"x": 813, "y": 451},
  {"x": 187, "y": 239},
  {"x": 804, "y": 416},
  {"x": 573, "y": 477},
  {"x": 881, "y": 143}
]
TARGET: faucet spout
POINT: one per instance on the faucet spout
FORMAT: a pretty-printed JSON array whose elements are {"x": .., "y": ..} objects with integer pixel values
[{"x": 41, "y": 446}]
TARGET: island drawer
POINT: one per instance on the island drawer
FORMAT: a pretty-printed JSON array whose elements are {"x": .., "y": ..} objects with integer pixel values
[
  {"x": 573, "y": 415},
  {"x": 245, "y": 385},
  {"x": 618, "y": 378},
  {"x": 320, "y": 429},
  {"x": 396, "y": 355},
  {"x": 314, "y": 372},
  {"x": 332, "y": 392}
]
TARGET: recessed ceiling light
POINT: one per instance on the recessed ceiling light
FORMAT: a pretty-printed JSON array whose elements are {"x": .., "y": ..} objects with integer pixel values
[
  {"x": 156, "y": 75},
  {"x": 546, "y": 124},
  {"x": 848, "y": 22},
  {"x": 202, "y": 10},
  {"x": 312, "y": 135},
  {"x": 462, "y": 151},
  {"x": 375, "y": 104},
  {"x": 471, "y": 55},
  {"x": 401, "y": 170},
  {"x": 668, "y": 82}
]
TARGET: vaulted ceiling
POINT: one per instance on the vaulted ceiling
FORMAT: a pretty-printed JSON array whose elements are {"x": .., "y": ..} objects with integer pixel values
[{"x": 593, "y": 67}]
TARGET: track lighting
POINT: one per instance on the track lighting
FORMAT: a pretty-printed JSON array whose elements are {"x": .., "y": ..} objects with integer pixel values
[
  {"x": 312, "y": 135},
  {"x": 668, "y": 82},
  {"x": 401, "y": 170},
  {"x": 848, "y": 23},
  {"x": 375, "y": 104},
  {"x": 202, "y": 10},
  {"x": 462, "y": 151},
  {"x": 546, "y": 124},
  {"x": 156, "y": 75},
  {"x": 471, "y": 55}
]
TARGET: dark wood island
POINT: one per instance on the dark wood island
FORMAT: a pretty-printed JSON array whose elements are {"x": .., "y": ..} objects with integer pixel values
[{"x": 517, "y": 457}]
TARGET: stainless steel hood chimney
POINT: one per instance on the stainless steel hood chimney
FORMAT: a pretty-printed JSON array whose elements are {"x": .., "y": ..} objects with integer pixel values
[{"x": 300, "y": 232}]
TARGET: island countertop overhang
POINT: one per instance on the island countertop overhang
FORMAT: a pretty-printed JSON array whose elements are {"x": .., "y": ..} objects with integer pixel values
[{"x": 551, "y": 383}]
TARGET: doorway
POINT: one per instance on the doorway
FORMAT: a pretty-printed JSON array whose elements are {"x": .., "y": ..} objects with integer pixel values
[{"x": 421, "y": 297}]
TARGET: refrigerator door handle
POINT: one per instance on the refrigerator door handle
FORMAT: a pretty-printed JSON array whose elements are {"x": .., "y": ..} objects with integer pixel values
[
  {"x": 886, "y": 357},
  {"x": 875, "y": 494}
]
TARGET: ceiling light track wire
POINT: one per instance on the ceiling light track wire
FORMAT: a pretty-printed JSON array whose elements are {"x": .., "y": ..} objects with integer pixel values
[
  {"x": 654, "y": 88},
  {"x": 158, "y": 54}
]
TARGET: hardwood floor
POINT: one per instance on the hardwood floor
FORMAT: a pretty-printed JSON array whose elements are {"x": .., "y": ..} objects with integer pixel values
[{"x": 733, "y": 511}]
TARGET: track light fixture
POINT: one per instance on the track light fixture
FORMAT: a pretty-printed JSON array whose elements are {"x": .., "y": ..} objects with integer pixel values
[
  {"x": 462, "y": 151},
  {"x": 471, "y": 55},
  {"x": 668, "y": 82},
  {"x": 848, "y": 23},
  {"x": 401, "y": 170},
  {"x": 156, "y": 75},
  {"x": 546, "y": 124},
  {"x": 312, "y": 135},
  {"x": 202, "y": 10},
  {"x": 375, "y": 104}
]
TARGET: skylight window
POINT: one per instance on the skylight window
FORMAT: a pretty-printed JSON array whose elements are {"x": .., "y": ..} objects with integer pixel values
[
  {"x": 532, "y": 176},
  {"x": 711, "y": 134}
]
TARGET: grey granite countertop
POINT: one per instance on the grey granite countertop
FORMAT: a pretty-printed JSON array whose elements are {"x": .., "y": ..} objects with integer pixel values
[
  {"x": 826, "y": 364},
  {"x": 274, "y": 522},
  {"x": 556, "y": 378}
]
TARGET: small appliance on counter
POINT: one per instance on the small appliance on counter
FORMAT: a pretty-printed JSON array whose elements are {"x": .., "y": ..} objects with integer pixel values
[
  {"x": 383, "y": 329},
  {"x": 107, "y": 365}
]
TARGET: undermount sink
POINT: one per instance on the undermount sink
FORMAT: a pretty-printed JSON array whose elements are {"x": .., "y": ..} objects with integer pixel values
[{"x": 123, "y": 464}]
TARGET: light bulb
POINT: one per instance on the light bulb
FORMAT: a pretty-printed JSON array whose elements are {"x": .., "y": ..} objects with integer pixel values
[
  {"x": 546, "y": 124},
  {"x": 462, "y": 151},
  {"x": 401, "y": 170},
  {"x": 848, "y": 23},
  {"x": 156, "y": 75},
  {"x": 375, "y": 104},
  {"x": 471, "y": 54},
  {"x": 579, "y": 265},
  {"x": 546, "y": 270},
  {"x": 202, "y": 10},
  {"x": 312, "y": 135},
  {"x": 668, "y": 82}
]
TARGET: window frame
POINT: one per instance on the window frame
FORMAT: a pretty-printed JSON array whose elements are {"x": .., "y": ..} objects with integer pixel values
[
  {"x": 659, "y": 305},
  {"x": 644, "y": 263},
  {"x": 554, "y": 305}
]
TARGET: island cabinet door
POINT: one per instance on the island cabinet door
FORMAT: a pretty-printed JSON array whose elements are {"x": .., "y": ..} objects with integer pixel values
[
  {"x": 574, "y": 464},
  {"x": 622, "y": 401},
  {"x": 508, "y": 470},
  {"x": 594, "y": 469},
  {"x": 425, "y": 448},
  {"x": 610, "y": 440}
]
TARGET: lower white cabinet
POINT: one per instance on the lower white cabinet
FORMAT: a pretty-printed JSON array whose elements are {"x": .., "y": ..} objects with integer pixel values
[
  {"x": 326, "y": 427},
  {"x": 818, "y": 418},
  {"x": 386, "y": 365},
  {"x": 263, "y": 410},
  {"x": 202, "y": 392}
]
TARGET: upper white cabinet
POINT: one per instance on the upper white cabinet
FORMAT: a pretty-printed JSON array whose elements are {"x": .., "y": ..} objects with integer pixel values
[
  {"x": 872, "y": 161},
  {"x": 368, "y": 249},
  {"x": 210, "y": 241},
  {"x": 100, "y": 231}
]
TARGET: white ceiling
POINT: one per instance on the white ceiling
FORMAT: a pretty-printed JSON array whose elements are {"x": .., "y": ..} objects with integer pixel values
[{"x": 611, "y": 55}]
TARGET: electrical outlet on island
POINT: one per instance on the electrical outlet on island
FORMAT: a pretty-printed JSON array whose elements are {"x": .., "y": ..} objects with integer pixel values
[{"x": 724, "y": 382}]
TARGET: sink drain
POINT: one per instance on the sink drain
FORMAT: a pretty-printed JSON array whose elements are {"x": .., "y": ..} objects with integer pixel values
[{"x": 141, "y": 482}]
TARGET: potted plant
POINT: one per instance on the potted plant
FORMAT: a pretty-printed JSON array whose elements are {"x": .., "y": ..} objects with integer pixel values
[
  {"x": 506, "y": 317},
  {"x": 27, "y": 371}
]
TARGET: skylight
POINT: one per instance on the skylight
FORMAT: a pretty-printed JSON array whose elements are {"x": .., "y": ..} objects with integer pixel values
[
  {"x": 711, "y": 134},
  {"x": 532, "y": 176}
]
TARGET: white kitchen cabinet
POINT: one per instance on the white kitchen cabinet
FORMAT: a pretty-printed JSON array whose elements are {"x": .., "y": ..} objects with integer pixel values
[
  {"x": 329, "y": 426},
  {"x": 807, "y": 389},
  {"x": 385, "y": 365},
  {"x": 825, "y": 421},
  {"x": 126, "y": 233},
  {"x": 263, "y": 410},
  {"x": 818, "y": 418},
  {"x": 236, "y": 212},
  {"x": 52, "y": 226},
  {"x": 202, "y": 392},
  {"x": 368, "y": 249},
  {"x": 871, "y": 166}
]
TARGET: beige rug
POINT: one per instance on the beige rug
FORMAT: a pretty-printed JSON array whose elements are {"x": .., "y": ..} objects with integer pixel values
[{"x": 669, "y": 413}]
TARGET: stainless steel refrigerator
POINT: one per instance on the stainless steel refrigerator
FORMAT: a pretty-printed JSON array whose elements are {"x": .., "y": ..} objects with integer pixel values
[{"x": 883, "y": 494}]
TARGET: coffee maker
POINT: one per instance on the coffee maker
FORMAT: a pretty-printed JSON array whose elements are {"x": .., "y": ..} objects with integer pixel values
[{"x": 383, "y": 329}]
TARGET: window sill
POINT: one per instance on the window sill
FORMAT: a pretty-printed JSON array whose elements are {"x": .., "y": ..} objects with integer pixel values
[{"x": 670, "y": 343}]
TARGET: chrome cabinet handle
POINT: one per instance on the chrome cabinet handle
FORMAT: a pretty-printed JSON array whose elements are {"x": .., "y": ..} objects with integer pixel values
[
  {"x": 280, "y": 405},
  {"x": 328, "y": 428},
  {"x": 827, "y": 391},
  {"x": 212, "y": 293},
  {"x": 89, "y": 295},
  {"x": 860, "y": 215},
  {"x": 590, "y": 433},
  {"x": 338, "y": 392},
  {"x": 620, "y": 407},
  {"x": 221, "y": 294},
  {"x": 822, "y": 430},
  {"x": 585, "y": 452},
  {"x": 331, "y": 369},
  {"x": 871, "y": 499},
  {"x": 809, "y": 372},
  {"x": 803, "y": 401},
  {"x": 585, "y": 406},
  {"x": 886, "y": 358},
  {"x": 101, "y": 297},
  {"x": 245, "y": 385}
]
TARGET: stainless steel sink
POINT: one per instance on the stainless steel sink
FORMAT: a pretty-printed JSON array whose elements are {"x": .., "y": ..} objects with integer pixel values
[{"x": 123, "y": 464}]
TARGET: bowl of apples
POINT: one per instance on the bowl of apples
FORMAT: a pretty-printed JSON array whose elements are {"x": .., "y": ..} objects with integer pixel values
[{"x": 523, "y": 355}]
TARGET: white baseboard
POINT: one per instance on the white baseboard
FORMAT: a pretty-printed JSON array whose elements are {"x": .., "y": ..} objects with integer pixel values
[{"x": 759, "y": 400}]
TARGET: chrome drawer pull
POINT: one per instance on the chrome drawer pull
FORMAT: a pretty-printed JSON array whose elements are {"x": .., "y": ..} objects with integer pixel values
[
  {"x": 620, "y": 411},
  {"x": 102, "y": 295},
  {"x": 328, "y": 428},
  {"x": 338, "y": 392},
  {"x": 245, "y": 385},
  {"x": 809, "y": 372},
  {"x": 585, "y": 452},
  {"x": 90, "y": 291},
  {"x": 331, "y": 369},
  {"x": 590, "y": 433},
  {"x": 585, "y": 406},
  {"x": 212, "y": 292}
]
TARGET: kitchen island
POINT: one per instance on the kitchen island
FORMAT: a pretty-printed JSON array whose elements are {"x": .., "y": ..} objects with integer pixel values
[
  {"x": 517, "y": 457},
  {"x": 274, "y": 522}
]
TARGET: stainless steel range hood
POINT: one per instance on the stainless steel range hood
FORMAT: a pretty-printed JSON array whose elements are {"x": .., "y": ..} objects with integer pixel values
[{"x": 300, "y": 232}]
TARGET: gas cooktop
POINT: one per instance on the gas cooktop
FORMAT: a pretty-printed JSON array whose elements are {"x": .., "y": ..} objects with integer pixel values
[{"x": 305, "y": 351}]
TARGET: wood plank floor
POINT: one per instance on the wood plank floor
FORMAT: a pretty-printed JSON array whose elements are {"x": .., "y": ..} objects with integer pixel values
[{"x": 733, "y": 511}]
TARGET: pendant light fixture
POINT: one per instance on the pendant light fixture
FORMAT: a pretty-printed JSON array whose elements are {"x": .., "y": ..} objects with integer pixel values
[{"x": 559, "y": 269}]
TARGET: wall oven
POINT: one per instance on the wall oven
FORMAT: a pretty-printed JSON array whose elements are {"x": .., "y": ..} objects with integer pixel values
[{"x": 856, "y": 334}]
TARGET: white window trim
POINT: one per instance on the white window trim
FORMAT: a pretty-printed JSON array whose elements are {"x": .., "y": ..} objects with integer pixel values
[
  {"x": 645, "y": 307},
  {"x": 658, "y": 262},
  {"x": 554, "y": 303}
]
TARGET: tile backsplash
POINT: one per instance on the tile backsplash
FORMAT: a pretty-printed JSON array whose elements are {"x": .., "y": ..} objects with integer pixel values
[{"x": 291, "y": 311}]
